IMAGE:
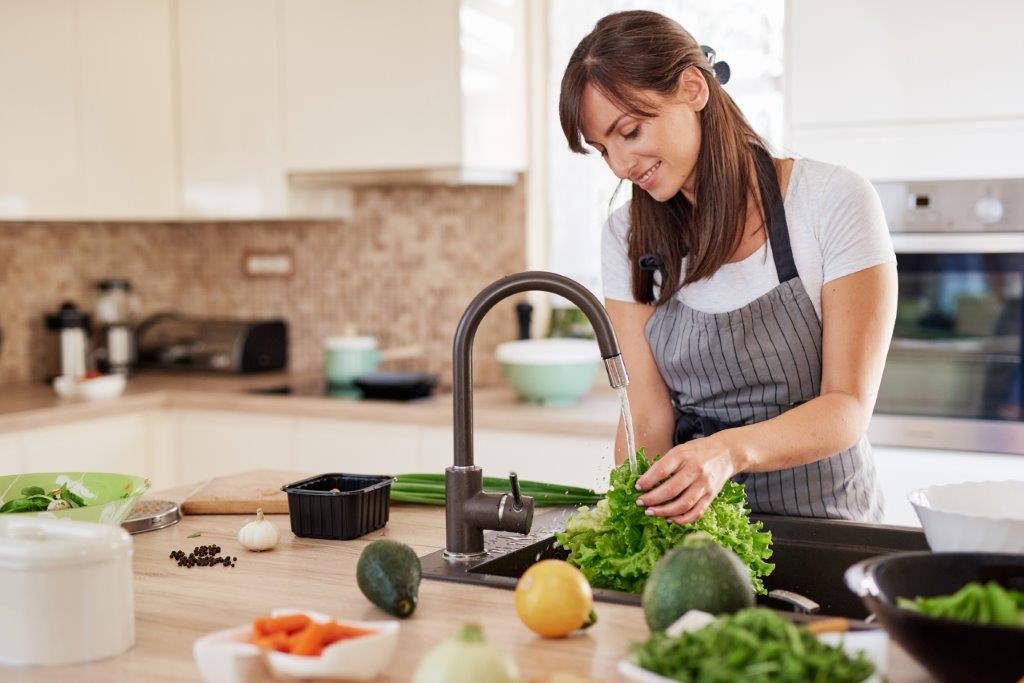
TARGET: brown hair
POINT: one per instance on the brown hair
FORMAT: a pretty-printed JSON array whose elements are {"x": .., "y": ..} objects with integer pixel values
[{"x": 625, "y": 55}]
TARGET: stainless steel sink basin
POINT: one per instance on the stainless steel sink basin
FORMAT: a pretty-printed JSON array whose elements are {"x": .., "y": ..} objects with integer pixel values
[{"x": 810, "y": 556}]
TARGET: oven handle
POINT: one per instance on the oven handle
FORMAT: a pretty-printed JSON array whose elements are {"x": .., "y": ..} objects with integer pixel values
[{"x": 958, "y": 242}]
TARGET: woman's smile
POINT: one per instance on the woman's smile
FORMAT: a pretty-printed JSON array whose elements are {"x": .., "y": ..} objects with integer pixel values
[{"x": 647, "y": 179}]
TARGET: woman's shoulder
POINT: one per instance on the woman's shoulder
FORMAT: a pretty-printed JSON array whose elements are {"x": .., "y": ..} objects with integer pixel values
[
  {"x": 828, "y": 185},
  {"x": 617, "y": 224}
]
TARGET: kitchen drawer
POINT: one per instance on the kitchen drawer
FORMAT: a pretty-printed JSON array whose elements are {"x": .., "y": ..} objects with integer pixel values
[
  {"x": 216, "y": 443},
  {"x": 110, "y": 444},
  {"x": 358, "y": 447}
]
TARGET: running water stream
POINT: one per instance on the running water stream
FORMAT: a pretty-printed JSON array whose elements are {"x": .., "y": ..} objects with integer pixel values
[{"x": 627, "y": 419}]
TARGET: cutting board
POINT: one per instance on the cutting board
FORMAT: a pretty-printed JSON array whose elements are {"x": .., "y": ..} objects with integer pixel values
[{"x": 241, "y": 494}]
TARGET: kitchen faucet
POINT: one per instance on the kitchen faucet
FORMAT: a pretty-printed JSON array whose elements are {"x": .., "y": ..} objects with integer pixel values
[{"x": 469, "y": 510}]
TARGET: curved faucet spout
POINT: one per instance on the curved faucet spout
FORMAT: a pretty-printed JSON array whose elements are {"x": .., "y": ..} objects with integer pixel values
[{"x": 468, "y": 509}]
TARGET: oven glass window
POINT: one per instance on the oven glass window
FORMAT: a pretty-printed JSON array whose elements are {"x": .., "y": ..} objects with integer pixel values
[{"x": 957, "y": 347}]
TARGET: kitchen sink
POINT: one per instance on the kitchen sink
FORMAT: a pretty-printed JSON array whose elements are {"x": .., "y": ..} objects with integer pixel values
[{"x": 810, "y": 556}]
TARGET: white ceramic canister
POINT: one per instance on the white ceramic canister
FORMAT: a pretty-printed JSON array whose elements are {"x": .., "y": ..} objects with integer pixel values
[{"x": 65, "y": 591}]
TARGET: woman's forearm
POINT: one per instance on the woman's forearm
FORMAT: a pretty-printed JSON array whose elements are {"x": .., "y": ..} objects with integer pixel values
[
  {"x": 825, "y": 425},
  {"x": 655, "y": 438}
]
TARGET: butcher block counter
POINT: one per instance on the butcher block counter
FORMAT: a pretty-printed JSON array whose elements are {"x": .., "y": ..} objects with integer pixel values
[{"x": 174, "y": 606}]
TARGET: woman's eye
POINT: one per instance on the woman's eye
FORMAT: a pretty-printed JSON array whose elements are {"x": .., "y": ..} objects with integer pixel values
[{"x": 632, "y": 134}]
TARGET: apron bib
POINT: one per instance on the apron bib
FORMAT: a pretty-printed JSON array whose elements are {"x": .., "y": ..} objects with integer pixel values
[{"x": 752, "y": 364}]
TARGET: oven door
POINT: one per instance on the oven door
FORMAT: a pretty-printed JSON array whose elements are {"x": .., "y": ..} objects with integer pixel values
[{"x": 953, "y": 377}]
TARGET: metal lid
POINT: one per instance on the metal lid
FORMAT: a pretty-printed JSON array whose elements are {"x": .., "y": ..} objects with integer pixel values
[
  {"x": 149, "y": 515},
  {"x": 35, "y": 542},
  {"x": 68, "y": 316}
]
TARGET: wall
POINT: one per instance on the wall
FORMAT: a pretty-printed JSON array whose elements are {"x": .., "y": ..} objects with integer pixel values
[{"x": 403, "y": 269}]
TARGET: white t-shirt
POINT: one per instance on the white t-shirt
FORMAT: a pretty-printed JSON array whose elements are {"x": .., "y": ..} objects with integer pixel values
[{"x": 836, "y": 227}]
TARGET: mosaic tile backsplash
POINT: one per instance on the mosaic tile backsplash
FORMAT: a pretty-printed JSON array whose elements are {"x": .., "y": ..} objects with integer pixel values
[{"x": 403, "y": 270}]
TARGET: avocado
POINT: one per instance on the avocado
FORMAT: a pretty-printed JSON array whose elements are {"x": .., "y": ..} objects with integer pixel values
[
  {"x": 699, "y": 574},
  {"x": 388, "y": 574}
]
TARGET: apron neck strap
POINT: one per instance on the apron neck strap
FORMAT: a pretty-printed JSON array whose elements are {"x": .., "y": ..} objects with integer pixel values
[{"x": 775, "y": 215}]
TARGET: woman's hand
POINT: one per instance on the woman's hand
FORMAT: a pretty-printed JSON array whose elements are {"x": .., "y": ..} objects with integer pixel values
[{"x": 690, "y": 476}]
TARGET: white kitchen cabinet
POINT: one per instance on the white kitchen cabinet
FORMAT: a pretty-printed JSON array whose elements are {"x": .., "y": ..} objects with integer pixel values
[
  {"x": 405, "y": 86},
  {"x": 356, "y": 447},
  {"x": 12, "y": 461},
  {"x": 229, "y": 106},
  {"x": 109, "y": 444},
  {"x": 902, "y": 470},
  {"x": 87, "y": 126},
  {"x": 915, "y": 89},
  {"x": 218, "y": 443}
]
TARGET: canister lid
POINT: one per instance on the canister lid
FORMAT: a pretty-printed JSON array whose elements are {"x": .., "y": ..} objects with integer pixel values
[
  {"x": 353, "y": 343},
  {"x": 32, "y": 542},
  {"x": 68, "y": 316}
]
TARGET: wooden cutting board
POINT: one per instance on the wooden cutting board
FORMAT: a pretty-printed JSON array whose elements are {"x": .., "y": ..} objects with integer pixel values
[{"x": 241, "y": 494}]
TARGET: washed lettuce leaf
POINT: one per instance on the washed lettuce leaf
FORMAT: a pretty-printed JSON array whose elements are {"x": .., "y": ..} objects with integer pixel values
[{"x": 616, "y": 545}]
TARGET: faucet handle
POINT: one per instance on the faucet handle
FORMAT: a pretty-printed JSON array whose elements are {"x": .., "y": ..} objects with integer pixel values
[{"x": 517, "y": 496}]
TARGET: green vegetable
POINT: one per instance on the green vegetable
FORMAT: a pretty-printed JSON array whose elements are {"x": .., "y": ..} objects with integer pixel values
[
  {"x": 34, "y": 503},
  {"x": 752, "y": 645},
  {"x": 616, "y": 545},
  {"x": 33, "y": 491},
  {"x": 987, "y": 603},
  {"x": 466, "y": 658},
  {"x": 699, "y": 574},
  {"x": 36, "y": 499},
  {"x": 388, "y": 574},
  {"x": 73, "y": 498},
  {"x": 428, "y": 489}
]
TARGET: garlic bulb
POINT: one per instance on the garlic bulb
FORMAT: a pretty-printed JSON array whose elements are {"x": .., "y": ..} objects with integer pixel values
[{"x": 258, "y": 535}]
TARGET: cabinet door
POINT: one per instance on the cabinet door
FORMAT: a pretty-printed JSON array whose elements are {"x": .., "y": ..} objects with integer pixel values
[
  {"x": 902, "y": 470},
  {"x": 371, "y": 85},
  {"x": 214, "y": 443},
  {"x": 38, "y": 132},
  {"x": 127, "y": 139},
  {"x": 572, "y": 460},
  {"x": 356, "y": 447},
  {"x": 11, "y": 459},
  {"x": 110, "y": 444},
  {"x": 230, "y": 108}
]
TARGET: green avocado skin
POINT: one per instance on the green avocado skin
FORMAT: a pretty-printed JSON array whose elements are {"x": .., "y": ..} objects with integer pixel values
[
  {"x": 388, "y": 574},
  {"x": 709, "y": 578}
]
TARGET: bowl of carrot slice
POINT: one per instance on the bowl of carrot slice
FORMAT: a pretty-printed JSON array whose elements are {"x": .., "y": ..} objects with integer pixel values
[{"x": 292, "y": 643}]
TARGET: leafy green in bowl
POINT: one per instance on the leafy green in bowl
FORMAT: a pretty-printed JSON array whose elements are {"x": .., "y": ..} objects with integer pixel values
[{"x": 102, "y": 497}]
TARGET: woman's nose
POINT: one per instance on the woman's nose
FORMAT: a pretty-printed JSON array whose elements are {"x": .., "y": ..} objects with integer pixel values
[{"x": 619, "y": 164}]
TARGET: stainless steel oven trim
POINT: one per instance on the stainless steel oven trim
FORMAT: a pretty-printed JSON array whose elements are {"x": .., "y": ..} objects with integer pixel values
[
  {"x": 947, "y": 433},
  {"x": 958, "y": 242}
]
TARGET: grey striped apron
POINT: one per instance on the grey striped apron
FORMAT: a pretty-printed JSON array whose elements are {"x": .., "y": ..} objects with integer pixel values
[{"x": 752, "y": 364}]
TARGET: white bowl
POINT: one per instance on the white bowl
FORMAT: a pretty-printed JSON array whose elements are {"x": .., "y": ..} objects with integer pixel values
[
  {"x": 982, "y": 516},
  {"x": 105, "y": 386},
  {"x": 228, "y": 657}
]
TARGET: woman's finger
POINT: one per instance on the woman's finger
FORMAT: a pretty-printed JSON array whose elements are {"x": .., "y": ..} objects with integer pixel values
[
  {"x": 681, "y": 504},
  {"x": 660, "y": 470},
  {"x": 696, "y": 511},
  {"x": 670, "y": 489}
]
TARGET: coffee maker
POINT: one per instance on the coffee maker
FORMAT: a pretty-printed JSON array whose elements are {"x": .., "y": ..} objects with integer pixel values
[
  {"x": 73, "y": 327},
  {"x": 115, "y": 344}
]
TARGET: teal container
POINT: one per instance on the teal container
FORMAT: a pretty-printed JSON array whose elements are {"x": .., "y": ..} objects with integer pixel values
[
  {"x": 550, "y": 372},
  {"x": 345, "y": 358}
]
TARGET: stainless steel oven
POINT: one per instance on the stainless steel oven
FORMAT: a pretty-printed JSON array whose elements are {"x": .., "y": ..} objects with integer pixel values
[{"x": 955, "y": 370}]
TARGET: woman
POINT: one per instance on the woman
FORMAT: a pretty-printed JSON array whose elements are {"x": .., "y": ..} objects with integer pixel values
[{"x": 753, "y": 298}]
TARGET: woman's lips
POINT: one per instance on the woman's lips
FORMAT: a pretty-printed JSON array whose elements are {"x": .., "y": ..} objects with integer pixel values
[{"x": 647, "y": 179}]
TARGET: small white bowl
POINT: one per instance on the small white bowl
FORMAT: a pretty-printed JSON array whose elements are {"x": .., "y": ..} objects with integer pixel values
[
  {"x": 97, "y": 388},
  {"x": 228, "y": 657},
  {"x": 982, "y": 516}
]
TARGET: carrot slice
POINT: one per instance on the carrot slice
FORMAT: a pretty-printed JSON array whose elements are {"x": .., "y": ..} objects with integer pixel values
[
  {"x": 335, "y": 632},
  {"x": 275, "y": 641},
  {"x": 309, "y": 641},
  {"x": 289, "y": 623}
]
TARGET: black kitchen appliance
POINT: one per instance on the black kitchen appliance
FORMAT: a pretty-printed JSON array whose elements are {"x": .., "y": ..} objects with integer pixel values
[{"x": 173, "y": 341}]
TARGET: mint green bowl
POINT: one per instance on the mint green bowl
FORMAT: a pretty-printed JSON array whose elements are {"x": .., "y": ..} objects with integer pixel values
[
  {"x": 551, "y": 372},
  {"x": 108, "y": 497}
]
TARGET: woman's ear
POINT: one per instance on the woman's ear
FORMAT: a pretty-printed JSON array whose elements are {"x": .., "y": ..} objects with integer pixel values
[{"x": 693, "y": 89}]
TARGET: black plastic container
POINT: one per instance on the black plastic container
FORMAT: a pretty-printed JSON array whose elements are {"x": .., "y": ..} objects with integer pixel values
[{"x": 339, "y": 506}]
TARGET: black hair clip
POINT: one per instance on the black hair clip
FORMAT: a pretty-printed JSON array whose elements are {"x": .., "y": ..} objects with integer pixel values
[
  {"x": 654, "y": 263},
  {"x": 720, "y": 69}
]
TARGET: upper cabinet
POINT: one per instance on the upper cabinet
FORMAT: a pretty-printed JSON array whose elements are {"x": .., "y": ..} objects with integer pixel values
[
  {"x": 906, "y": 90},
  {"x": 87, "y": 124},
  {"x": 190, "y": 109},
  {"x": 405, "y": 89}
]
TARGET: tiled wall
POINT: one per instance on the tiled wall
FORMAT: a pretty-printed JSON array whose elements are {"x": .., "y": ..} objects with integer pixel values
[{"x": 403, "y": 270}]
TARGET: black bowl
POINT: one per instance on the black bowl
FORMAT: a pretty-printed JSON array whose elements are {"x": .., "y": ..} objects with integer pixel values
[{"x": 950, "y": 650}]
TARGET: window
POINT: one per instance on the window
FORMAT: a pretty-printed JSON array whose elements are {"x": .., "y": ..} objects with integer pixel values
[{"x": 745, "y": 33}]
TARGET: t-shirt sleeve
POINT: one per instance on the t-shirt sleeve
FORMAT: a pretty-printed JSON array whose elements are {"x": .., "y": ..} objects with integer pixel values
[
  {"x": 853, "y": 231},
  {"x": 615, "y": 270}
]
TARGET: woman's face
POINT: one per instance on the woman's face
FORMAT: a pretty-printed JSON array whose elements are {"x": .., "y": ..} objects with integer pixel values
[{"x": 660, "y": 153}]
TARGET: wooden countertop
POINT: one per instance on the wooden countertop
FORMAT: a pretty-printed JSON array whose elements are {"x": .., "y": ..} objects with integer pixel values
[
  {"x": 35, "y": 405},
  {"x": 174, "y": 606}
]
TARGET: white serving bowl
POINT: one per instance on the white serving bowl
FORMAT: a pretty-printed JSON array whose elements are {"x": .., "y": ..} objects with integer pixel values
[
  {"x": 981, "y": 516},
  {"x": 105, "y": 386},
  {"x": 228, "y": 657},
  {"x": 550, "y": 371}
]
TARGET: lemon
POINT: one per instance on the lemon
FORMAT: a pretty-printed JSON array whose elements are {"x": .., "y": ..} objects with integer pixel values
[{"x": 553, "y": 598}]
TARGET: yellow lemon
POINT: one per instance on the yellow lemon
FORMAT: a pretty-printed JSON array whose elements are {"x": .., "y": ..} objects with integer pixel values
[{"x": 553, "y": 598}]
